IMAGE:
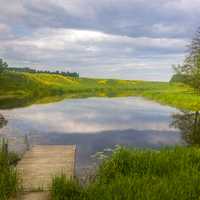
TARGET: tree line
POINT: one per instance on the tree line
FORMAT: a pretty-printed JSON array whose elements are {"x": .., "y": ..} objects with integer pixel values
[{"x": 4, "y": 67}]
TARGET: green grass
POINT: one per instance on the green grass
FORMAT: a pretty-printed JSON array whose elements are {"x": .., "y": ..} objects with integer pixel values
[
  {"x": 9, "y": 182},
  {"x": 139, "y": 175},
  {"x": 22, "y": 89}
]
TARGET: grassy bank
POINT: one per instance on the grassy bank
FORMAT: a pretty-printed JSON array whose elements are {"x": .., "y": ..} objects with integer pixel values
[
  {"x": 21, "y": 89},
  {"x": 9, "y": 183},
  {"x": 139, "y": 175}
]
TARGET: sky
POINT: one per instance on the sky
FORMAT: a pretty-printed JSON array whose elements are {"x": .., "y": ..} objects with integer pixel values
[{"x": 127, "y": 39}]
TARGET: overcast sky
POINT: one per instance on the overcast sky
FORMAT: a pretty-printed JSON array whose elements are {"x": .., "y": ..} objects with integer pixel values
[{"x": 128, "y": 39}]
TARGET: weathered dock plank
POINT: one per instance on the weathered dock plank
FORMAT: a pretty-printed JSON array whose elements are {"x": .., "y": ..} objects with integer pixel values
[
  {"x": 34, "y": 196},
  {"x": 40, "y": 164}
]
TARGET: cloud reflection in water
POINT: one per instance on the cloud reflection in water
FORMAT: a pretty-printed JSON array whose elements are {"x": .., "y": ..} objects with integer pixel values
[{"x": 95, "y": 123}]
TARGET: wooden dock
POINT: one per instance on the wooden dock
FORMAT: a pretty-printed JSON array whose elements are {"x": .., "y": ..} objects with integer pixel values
[{"x": 40, "y": 164}]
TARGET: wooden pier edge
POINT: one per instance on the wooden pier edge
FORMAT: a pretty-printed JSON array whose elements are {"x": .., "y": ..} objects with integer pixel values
[
  {"x": 74, "y": 165},
  {"x": 43, "y": 162}
]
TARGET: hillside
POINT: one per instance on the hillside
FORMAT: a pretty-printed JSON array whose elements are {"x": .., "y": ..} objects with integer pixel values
[{"x": 22, "y": 89}]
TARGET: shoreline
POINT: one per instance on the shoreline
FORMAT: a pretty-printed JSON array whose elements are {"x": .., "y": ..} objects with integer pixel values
[{"x": 23, "y": 89}]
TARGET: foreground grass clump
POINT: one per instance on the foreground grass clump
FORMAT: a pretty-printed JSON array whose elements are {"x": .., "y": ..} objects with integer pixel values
[
  {"x": 139, "y": 175},
  {"x": 64, "y": 189},
  {"x": 9, "y": 183}
]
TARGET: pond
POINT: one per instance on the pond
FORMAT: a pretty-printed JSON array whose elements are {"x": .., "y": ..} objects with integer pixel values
[{"x": 99, "y": 124}]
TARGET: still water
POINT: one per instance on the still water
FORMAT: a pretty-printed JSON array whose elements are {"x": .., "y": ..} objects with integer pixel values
[{"x": 96, "y": 124}]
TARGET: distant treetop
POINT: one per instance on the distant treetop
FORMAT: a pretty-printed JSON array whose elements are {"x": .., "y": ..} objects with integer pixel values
[
  {"x": 3, "y": 65},
  {"x": 27, "y": 69}
]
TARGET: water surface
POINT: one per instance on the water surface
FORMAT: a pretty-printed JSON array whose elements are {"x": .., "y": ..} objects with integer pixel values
[{"x": 94, "y": 124}]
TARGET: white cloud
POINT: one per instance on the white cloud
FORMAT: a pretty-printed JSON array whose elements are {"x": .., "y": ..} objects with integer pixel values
[
  {"x": 105, "y": 35},
  {"x": 167, "y": 29},
  {"x": 4, "y": 28},
  {"x": 184, "y": 5},
  {"x": 86, "y": 51},
  {"x": 59, "y": 39},
  {"x": 12, "y": 9}
]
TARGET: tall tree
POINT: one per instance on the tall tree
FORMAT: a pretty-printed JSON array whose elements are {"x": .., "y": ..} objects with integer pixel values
[
  {"x": 3, "y": 65},
  {"x": 191, "y": 66}
]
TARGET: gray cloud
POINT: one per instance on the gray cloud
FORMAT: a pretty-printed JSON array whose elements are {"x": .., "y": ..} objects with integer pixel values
[{"x": 107, "y": 38}]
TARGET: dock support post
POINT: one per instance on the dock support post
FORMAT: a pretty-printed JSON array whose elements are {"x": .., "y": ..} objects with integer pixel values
[{"x": 4, "y": 145}]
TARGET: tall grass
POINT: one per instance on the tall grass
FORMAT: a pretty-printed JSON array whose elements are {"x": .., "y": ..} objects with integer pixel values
[
  {"x": 66, "y": 189},
  {"x": 169, "y": 174},
  {"x": 9, "y": 182}
]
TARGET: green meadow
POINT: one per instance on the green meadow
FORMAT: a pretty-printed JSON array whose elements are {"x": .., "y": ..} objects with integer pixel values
[{"x": 22, "y": 89}]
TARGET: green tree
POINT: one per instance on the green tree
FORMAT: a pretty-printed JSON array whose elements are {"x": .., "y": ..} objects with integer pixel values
[
  {"x": 3, "y": 65},
  {"x": 190, "y": 69}
]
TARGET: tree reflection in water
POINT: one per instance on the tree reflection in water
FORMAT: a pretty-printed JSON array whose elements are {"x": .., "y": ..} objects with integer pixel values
[
  {"x": 3, "y": 121},
  {"x": 189, "y": 125}
]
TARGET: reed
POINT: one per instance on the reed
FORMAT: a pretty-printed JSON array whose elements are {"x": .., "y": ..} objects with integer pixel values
[{"x": 9, "y": 180}]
